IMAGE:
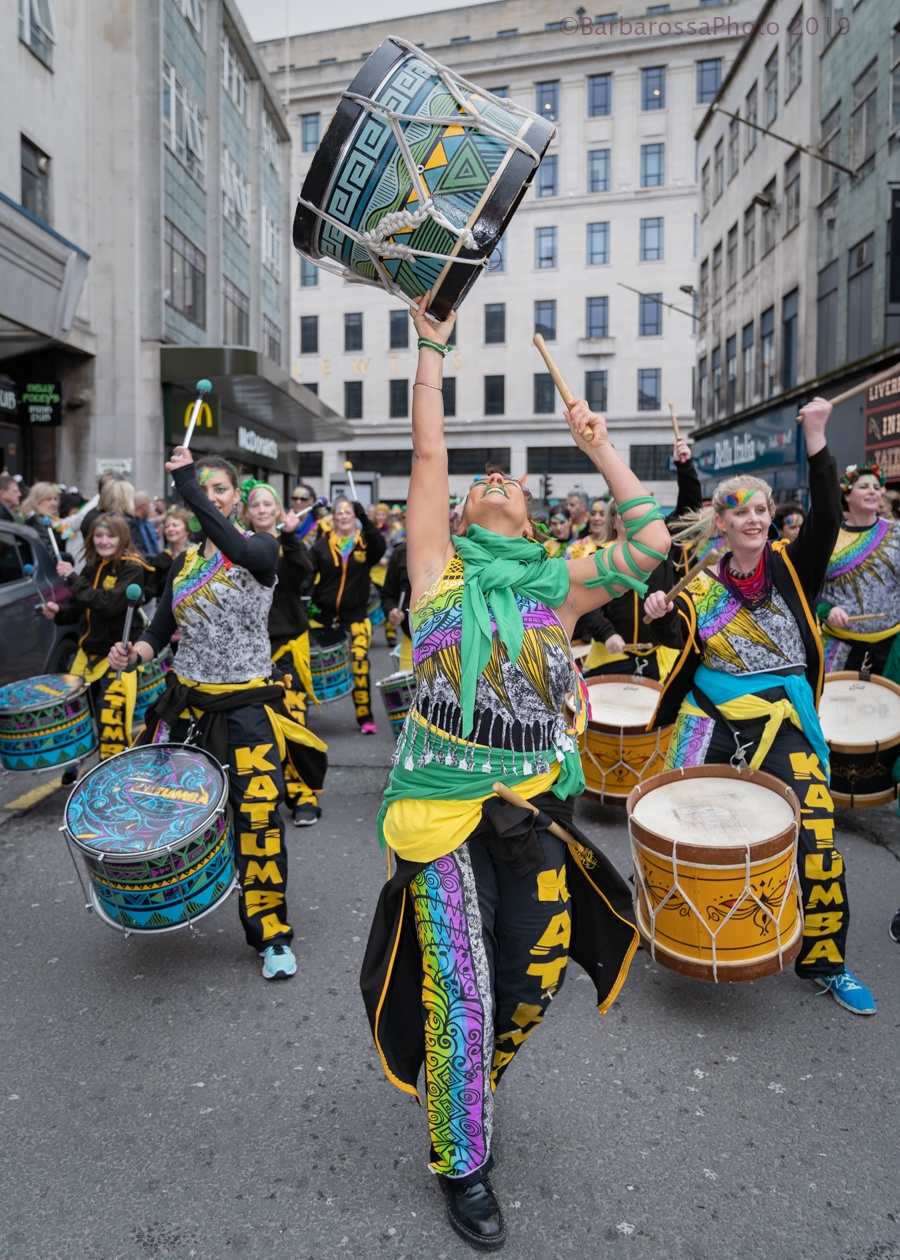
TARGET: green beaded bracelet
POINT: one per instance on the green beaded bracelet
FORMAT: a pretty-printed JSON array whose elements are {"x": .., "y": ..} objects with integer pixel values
[{"x": 443, "y": 351}]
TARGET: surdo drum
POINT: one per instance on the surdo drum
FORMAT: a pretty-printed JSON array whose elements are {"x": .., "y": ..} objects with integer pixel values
[
  {"x": 716, "y": 890},
  {"x": 617, "y": 750},
  {"x": 151, "y": 682},
  {"x": 45, "y": 722},
  {"x": 329, "y": 664},
  {"x": 416, "y": 178},
  {"x": 861, "y": 722},
  {"x": 398, "y": 692}
]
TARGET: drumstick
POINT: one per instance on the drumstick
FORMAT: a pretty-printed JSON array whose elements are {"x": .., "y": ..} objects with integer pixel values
[
  {"x": 204, "y": 387},
  {"x": 638, "y": 647},
  {"x": 133, "y": 594},
  {"x": 564, "y": 392},
  {"x": 53, "y": 542},
  {"x": 555, "y": 828},
  {"x": 863, "y": 385},
  {"x": 348, "y": 469},
  {"x": 692, "y": 572},
  {"x": 866, "y": 617},
  {"x": 674, "y": 421},
  {"x": 401, "y": 601},
  {"x": 28, "y": 570}
]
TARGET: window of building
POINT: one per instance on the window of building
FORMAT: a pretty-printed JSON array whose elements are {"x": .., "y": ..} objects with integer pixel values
[
  {"x": 863, "y": 116},
  {"x": 794, "y": 54},
  {"x": 271, "y": 145},
  {"x": 789, "y": 307},
  {"x": 353, "y": 400},
  {"x": 595, "y": 390},
  {"x": 716, "y": 291},
  {"x": 545, "y": 247},
  {"x": 731, "y": 251},
  {"x": 494, "y": 395},
  {"x": 599, "y": 94},
  {"x": 309, "y": 274},
  {"x": 353, "y": 332},
  {"x": 542, "y": 460},
  {"x": 704, "y": 289},
  {"x": 751, "y": 114},
  {"x": 650, "y": 462},
  {"x": 830, "y": 147},
  {"x": 473, "y": 459},
  {"x": 271, "y": 340},
  {"x": 653, "y": 88},
  {"x": 545, "y": 319},
  {"x": 749, "y": 239},
  {"x": 597, "y": 243},
  {"x": 716, "y": 365},
  {"x": 35, "y": 180},
  {"x": 501, "y": 92},
  {"x": 771, "y": 88},
  {"x": 769, "y": 219},
  {"x": 37, "y": 28},
  {"x": 271, "y": 242},
  {"x": 704, "y": 190},
  {"x": 390, "y": 463},
  {"x": 234, "y": 78},
  {"x": 507, "y": 34},
  {"x": 546, "y": 99},
  {"x": 649, "y": 389},
  {"x": 399, "y": 329},
  {"x": 730, "y": 375},
  {"x": 596, "y": 317},
  {"x": 309, "y": 133},
  {"x": 650, "y": 315},
  {"x": 894, "y": 108},
  {"x": 194, "y": 13},
  {"x": 859, "y": 299},
  {"x": 598, "y": 170},
  {"x": 709, "y": 76},
  {"x": 826, "y": 319},
  {"x": 544, "y": 394},
  {"x": 184, "y": 280},
  {"x": 235, "y": 195},
  {"x": 448, "y": 390},
  {"x": 313, "y": 387},
  {"x": 767, "y": 352},
  {"x": 460, "y": 39},
  {"x": 399, "y": 399},
  {"x": 184, "y": 124},
  {"x": 718, "y": 169},
  {"x": 734, "y": 148},
  {"x": 547, "y": 179},
  {"x": 309, "y": 334},
  {"x": 703, "y": 378},
  {"x": 748, "y": 364},
  {"x": 653, "y": 165},
  {"x": 494, "y": 323},
  {"x": 658, "y": 8},
  {"x": 309, "y": 463},
  {"x": 652, "y": 248},
  {"x": 236, "y": 315},
  {"x": 792, "y": 193}
]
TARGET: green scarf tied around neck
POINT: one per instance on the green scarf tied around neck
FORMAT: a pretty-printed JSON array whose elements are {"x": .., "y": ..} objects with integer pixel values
[{"x": 496, "y": 569}]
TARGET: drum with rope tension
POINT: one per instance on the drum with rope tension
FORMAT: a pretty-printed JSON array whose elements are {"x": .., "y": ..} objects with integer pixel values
[{"x": 617, "y": 750}]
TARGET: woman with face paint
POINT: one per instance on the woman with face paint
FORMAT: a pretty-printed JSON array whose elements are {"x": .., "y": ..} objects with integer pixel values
[
  {"x": 221, "y": 691},
  {"x": 749, "y": 677},
  {"x": 863, "y": 581}
]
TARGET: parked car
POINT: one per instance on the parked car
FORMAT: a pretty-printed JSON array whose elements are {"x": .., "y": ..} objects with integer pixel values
[{"x": 29, "y": 643}]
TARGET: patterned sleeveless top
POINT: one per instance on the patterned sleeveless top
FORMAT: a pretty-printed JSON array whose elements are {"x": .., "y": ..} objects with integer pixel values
[
  {"x": 864, "y": 574},
  {"x": 739, "y": 640},
  {"x": 518, "y": 707},
  {"x": 222, "y": 613}
]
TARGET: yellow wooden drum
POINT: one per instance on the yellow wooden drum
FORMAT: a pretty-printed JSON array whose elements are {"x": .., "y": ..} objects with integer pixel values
[
  {"x": 617, "y": 750},
  {"x": 714, "y": 849}
]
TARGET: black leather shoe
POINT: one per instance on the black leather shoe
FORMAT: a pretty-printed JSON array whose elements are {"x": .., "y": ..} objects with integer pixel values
[{"x": 475, "y": 1214}]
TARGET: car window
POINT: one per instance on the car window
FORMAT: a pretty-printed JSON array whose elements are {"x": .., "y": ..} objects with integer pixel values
[{"x": 14, "y": 552}]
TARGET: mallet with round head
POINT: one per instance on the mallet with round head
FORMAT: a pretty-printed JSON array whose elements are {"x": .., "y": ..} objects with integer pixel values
[
  {"x": 204, "y": 387},
  {"x": 133, "y": 594}
]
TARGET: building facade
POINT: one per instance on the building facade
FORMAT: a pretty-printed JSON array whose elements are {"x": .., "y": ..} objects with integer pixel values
[{"x": 598, "y": 254}]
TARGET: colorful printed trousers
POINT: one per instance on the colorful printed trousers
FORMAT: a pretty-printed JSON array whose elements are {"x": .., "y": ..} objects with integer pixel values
[
  {"x": 494, "y": 953},
  {"x": 698, "y": 741}
]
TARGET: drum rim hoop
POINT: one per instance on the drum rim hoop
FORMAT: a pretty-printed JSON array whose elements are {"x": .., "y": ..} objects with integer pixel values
[
  {"x": 878, "y": 680},
  {"x": 49, "y": 701}
]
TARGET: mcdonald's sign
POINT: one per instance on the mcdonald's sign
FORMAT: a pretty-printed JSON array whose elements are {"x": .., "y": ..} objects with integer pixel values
[
  {"x": 204, "y": 418},
  {"x": 177, "y": 408}
]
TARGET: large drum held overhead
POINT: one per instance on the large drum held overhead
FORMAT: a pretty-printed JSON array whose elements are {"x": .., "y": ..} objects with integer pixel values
[
  {"x": 861, "y": 723},
  {"x": 715, "y": 865},
  {"x": 617, "y": 750},
  {"x": 416, "y": 178},
  {"x": 45, "y": 722}
]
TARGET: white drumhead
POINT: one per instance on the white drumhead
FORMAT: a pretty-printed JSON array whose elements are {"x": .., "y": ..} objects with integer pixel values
[
  {"x": 714, "y": 811},
  {"x": 624, "y": 703},
  {"x": 856, "y": 712}
]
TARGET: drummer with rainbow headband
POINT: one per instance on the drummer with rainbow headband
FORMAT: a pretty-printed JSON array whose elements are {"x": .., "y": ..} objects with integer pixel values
[
  {"x": 749, "y": 676},
  {"x": 860, "y": 601}
]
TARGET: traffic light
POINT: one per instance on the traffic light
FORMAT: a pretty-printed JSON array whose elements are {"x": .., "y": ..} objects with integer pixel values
[{"x": 548, "y": 485}]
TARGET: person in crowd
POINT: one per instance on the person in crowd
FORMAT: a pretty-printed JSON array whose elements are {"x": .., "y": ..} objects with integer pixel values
[
  {"x": 342, "y": 559},
  {"x": 560, "y": 534},
  {"x": 749, "y": 676},
  {"x": 788, "y": 519},
  {"x": 10, "y": 498},
  {"x": 577, "y": 501},
  {"x": 145, "y": 531},
  {"x": 40, "y": 511},
  {"x": 471, "y": 936},
  {"x": 889, "y": 507},
  {"x": 176, "y": 530},
  {"x": 596, "y": 536},
  {"x": 395, "y": 601},
  {"x": 218, "y": 595},
  {"x": 381, "y": 519},
  {"x": 303, "y": 498}
]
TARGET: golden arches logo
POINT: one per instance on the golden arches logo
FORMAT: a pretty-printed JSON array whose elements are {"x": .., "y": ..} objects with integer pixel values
[{"x": 204, "y": 416}]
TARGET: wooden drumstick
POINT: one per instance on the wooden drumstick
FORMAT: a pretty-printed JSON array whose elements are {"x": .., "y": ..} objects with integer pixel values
[
  {"x": 555, "y": 828},
  {"x": 638, "y": 647},
  {"x": 674, "y": 422},
  {"x": 863, "y": 385},
  {"x": 692, "y": 572},
  {"x": 866, "y": 617},
  {"x": 564, "y": 392}
]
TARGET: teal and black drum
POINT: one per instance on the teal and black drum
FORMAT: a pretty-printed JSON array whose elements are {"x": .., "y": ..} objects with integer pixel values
[
  {"x": 416, "y": 178},
  {"x": 45, "y": 723}
]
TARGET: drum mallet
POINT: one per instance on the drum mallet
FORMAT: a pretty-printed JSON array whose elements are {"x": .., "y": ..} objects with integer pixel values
[
  {"x": 204, "y": 387},
  {"x": 564, "y": 392},
  {"x": 28, "y": 570},
  {"x": 133, "y": 594},
  {"x": 320, "y": 502},
  {"x": 863, "y": 385},
  {"x": 348, "y": 469},
  {"x": 555, "y": 828},
  {"x": 692, "y": 572},
  {"x": 53, "y": 542}
]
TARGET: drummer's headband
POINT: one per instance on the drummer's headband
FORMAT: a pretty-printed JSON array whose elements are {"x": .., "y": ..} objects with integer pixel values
[
  {"x": 853, "y": 472},
  {"x": 250, "y": 487},
  {"x": 739, "y": 498}
]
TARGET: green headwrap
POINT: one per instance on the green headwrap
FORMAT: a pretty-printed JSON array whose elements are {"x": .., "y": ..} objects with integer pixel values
[{"x": 251, "y": 484}]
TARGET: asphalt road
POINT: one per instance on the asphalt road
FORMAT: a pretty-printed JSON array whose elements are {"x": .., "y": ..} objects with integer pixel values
[{"x": 160, "y": 1099}]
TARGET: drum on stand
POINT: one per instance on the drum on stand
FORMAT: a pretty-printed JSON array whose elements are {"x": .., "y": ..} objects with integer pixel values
[
  {"x": 152, "y": 826},
  {"x": 617, "y": 750},
  {"x": 715, "y": 867},
  {"x": 398, "y": 692},
  {"x": 151, "y": 682},
  {"x": 329, "y": 664},
  {"x": 416, "y": 178},
  {"x": 45, "y": 722},
  {"x": 861, "y": 723}
]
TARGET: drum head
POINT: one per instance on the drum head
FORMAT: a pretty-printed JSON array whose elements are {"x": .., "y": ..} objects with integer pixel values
[
  {"x": 628, "y": 702},
  {"x": 39, "y": 692},
  {"x": 145, "y": 800},
  {"x": 718, "y": 811},
  {"x": 857, "y": 714}
]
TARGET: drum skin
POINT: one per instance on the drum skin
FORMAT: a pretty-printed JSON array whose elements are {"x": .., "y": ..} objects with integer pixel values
[
  {"x": 45, "y": 723},
  {"x": 398, "y": 692},
  {"x": 153, "y": 828},
  {"x": 724, "y": 903},
  {"x": 861, "y": 721},
  {"x": 329, "y": 664},
  {"x": 619, "y": 753},
  {"x": 358, "y": 175}
]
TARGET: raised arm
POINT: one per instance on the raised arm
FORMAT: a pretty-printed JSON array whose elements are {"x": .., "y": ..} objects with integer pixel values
[
  {"x": 428, "y": 505},
  {"x": 258, "y": 553}
]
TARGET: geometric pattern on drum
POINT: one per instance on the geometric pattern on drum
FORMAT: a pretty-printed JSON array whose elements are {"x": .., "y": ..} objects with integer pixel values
[
  {"x": 45, "y": 722},
  {"x": 736, "y": 638}
]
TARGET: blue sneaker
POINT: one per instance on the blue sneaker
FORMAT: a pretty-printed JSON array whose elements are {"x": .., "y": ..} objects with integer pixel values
[
  {"x": 848, "y": 992},
  {"x": 278, "y": 962}
]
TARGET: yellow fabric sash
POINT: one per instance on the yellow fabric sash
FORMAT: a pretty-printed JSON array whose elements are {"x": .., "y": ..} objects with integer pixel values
[
  {"x": 745, "y": 709},
  {"x": 284, "y": 728},
  {"x": 856, "y": 636},
  {"x": 405, "y": 660},
  {"x": 299, "y": 650},
  {"x": 93, "y": 668}
]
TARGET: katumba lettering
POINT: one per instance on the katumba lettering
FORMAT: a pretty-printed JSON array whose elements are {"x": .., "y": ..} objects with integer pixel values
[{"x": 146, "y": 788}]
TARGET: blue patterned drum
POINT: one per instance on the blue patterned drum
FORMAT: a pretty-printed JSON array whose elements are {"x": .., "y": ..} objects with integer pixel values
[
  {"x": 45, "y": 723},
  {"x": 151, "y": 682},
  {"x": 154, "y": 831},
  {"x": 375, "y": 612},
  {"x": 329, "y": 664},
  {"x": 398, "y": 692},
  {"x": 416, "y": 178}
]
